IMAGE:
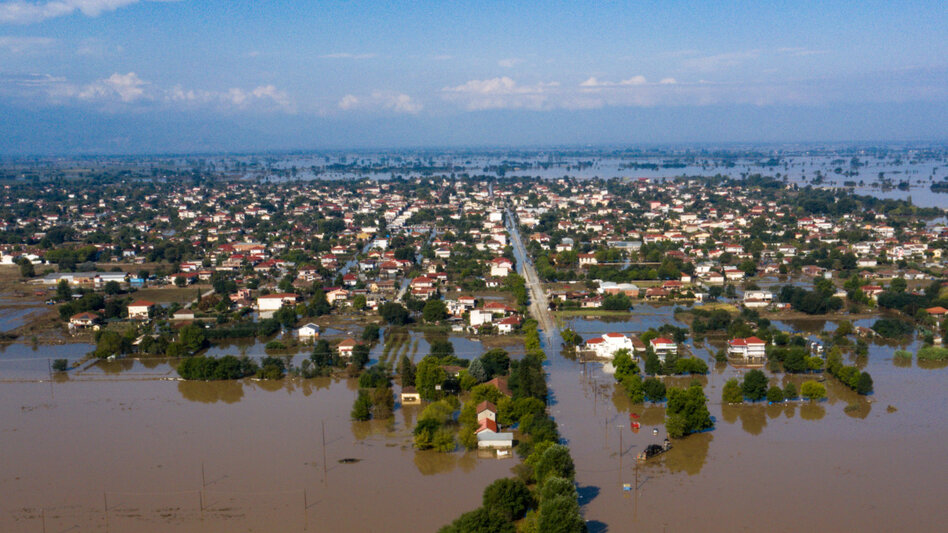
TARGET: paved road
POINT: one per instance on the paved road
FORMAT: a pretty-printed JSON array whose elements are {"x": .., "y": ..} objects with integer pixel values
[{"x": 539, "y": 306}]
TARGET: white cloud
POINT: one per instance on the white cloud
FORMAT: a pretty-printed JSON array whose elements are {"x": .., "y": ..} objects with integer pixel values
[
  {"x": 346, "y": 55},
  {"x": 500, "y": 93},
  {"x": 24, "y": 12},
  {"x": 19, "y": 45},
  {"x": 668, "y": 81},
  {"x": 127, "y": 87},
  {"x": 381, "y": 100},
  {"x": 797, "y": 51},
  {"x": 595, "y": 83},
  {"x": 634, "y": 80},
  {"x": 509, "y": 62}
]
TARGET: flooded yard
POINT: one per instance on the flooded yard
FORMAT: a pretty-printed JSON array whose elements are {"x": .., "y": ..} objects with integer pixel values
[
  {"x": 841, "y": 464},
  {"x": 149, "y": 455}
]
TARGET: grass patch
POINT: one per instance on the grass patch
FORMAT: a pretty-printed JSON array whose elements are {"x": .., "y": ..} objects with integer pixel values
[{"x": 933, "y": 353}]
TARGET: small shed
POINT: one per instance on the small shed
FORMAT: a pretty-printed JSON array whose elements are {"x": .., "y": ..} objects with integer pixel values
[{"x": 410, "y": 395}]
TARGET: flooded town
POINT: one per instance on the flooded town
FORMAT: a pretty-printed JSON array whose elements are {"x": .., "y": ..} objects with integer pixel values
[{"x": 463, "y": 340}]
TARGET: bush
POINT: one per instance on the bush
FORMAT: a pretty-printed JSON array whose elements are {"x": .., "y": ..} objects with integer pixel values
[
  {"x": 60, "y": 365},
  {"x": 755, "y": 385},
  {"x": 774, "y": 394},
  {"x": 892, "y": 328},
  {"x": 811, "y": 390},
  {"x": 932, "y": 353},
  {"x": 732, "y": 393},
  {"x": 654, "y": 389}
]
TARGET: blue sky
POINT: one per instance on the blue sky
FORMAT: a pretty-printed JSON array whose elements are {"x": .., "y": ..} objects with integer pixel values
[{"x": 189, "y": 75}]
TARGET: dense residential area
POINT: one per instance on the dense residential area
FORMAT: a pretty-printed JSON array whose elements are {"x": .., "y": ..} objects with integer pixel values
[{"x": 448, "y": 311}]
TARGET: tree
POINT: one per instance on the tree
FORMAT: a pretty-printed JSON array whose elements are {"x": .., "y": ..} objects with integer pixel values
[
  {"x": 60, "y": 365},
  {"x": 112, "y": 288},
  {"x": 496, "y": 362},
  {"x": 560, "y": 515},
  {"x": 508, "y": 497},
  {"x": 358, "y": 302},
  {"x": 360, "y": 355},
  {"x": 26, "y": 267},
  {"x": 192, "y": 338},
  {"x": 428, "y": 375},
  {"x": 370, "y": 333},
  {"x": 755, "y": 385},
  {"x": 790, "y": 391},
  {"x": 555, "y": 461},
  {"x": 687, "y": 411},
  {"x": 480, "y": 520},
  {"x": 654, "y": 389},
  {"x": 774, "y": 394},
  {"x": 362, "y": 409},
  {"x": 394, "y": 313},
  {"x": 732, "y": 393},
  {"x": 407, "y": 371},
  {"x": 811, "y": 390},
  {"x": 477, "y": 371},
  {"x": 180, "y": 281},
  {"x": 652, "y": 364},
  {"x": 63, "y": 292},
  {"x": 434, "y": 311},
  {"x": 864, "y": 383}
]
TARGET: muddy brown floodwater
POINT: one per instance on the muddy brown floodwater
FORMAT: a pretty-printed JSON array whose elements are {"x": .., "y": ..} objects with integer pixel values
[
  {"x": 799, "y": 466},
  {"x": 120, "y": 447},
  {"x": 147, "y": 448}
]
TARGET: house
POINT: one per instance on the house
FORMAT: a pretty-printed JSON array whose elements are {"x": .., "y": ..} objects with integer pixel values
[
  {"x": 500, "y": 383},
  {"x": 508, "y": 325},
  {"x": 748, "y": 348},
  {"x": 336, "y": 294},
  {"x": 938, "y": 312},
  {"x": 273, "y": 302},
  {"x": 607, "y": 345},
  {"x": 489, "y": 437},
  {"x": 139, "y": 309},
  {"x": 183, "y": 314},
  {"x": 410, "y": 395},
  {"x": 758, "y": 298},
  {"x": 486, "y": 410},
  {"x": 656, "y": 293},
  {"x": 309, "y": 331},
  {"x": 662, "y": 347},
  {"x": 478, "y": 317},
  {"x": 83, "y": 320},
  {"x": 500, "y": 267},
  {"x": 346, "y": 346},
  {"x": 587, "y": 260}
]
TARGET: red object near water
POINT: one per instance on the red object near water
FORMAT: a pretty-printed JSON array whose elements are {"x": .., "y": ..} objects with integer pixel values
[
  {"x": 636, "y": 426},
  {"x": 633, "y": 415}
]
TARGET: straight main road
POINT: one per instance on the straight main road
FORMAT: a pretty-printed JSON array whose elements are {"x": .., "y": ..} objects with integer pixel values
[{"x": 539, "y": 305}]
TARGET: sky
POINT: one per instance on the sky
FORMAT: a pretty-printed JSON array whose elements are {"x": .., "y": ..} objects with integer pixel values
[{"x": 160, "y": 76}]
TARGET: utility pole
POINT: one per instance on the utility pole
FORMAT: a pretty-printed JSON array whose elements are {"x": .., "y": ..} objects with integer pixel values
[{"x": 325, "y": 471}]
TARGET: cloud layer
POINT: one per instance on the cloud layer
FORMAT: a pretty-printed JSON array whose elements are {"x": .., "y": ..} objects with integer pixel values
[{"x": 23, "y": 12}]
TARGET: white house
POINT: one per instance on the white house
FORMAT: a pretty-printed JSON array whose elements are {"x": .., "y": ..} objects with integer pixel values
[
  {"x": 138, "y": 310},
  {"x": 607, "y": 345},
  {"x": 309, "y": 331},
  {"x": 500, "y": 267},
  {"x": 758, "y": 298},
  {"x": 749, "y": 348},
  {"x": 478, "y": 317},
  {"x": 273, "y": 302},
  {"x": 663, "y": 347}
]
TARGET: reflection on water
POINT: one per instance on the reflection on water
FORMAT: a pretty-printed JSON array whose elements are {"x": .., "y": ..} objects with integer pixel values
[
  {"x": 812, "y": 411},
  {"x": 689, "y": 455},
  {"x": 211, "y": 391},
  {"x": 430, "y": 462}
]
